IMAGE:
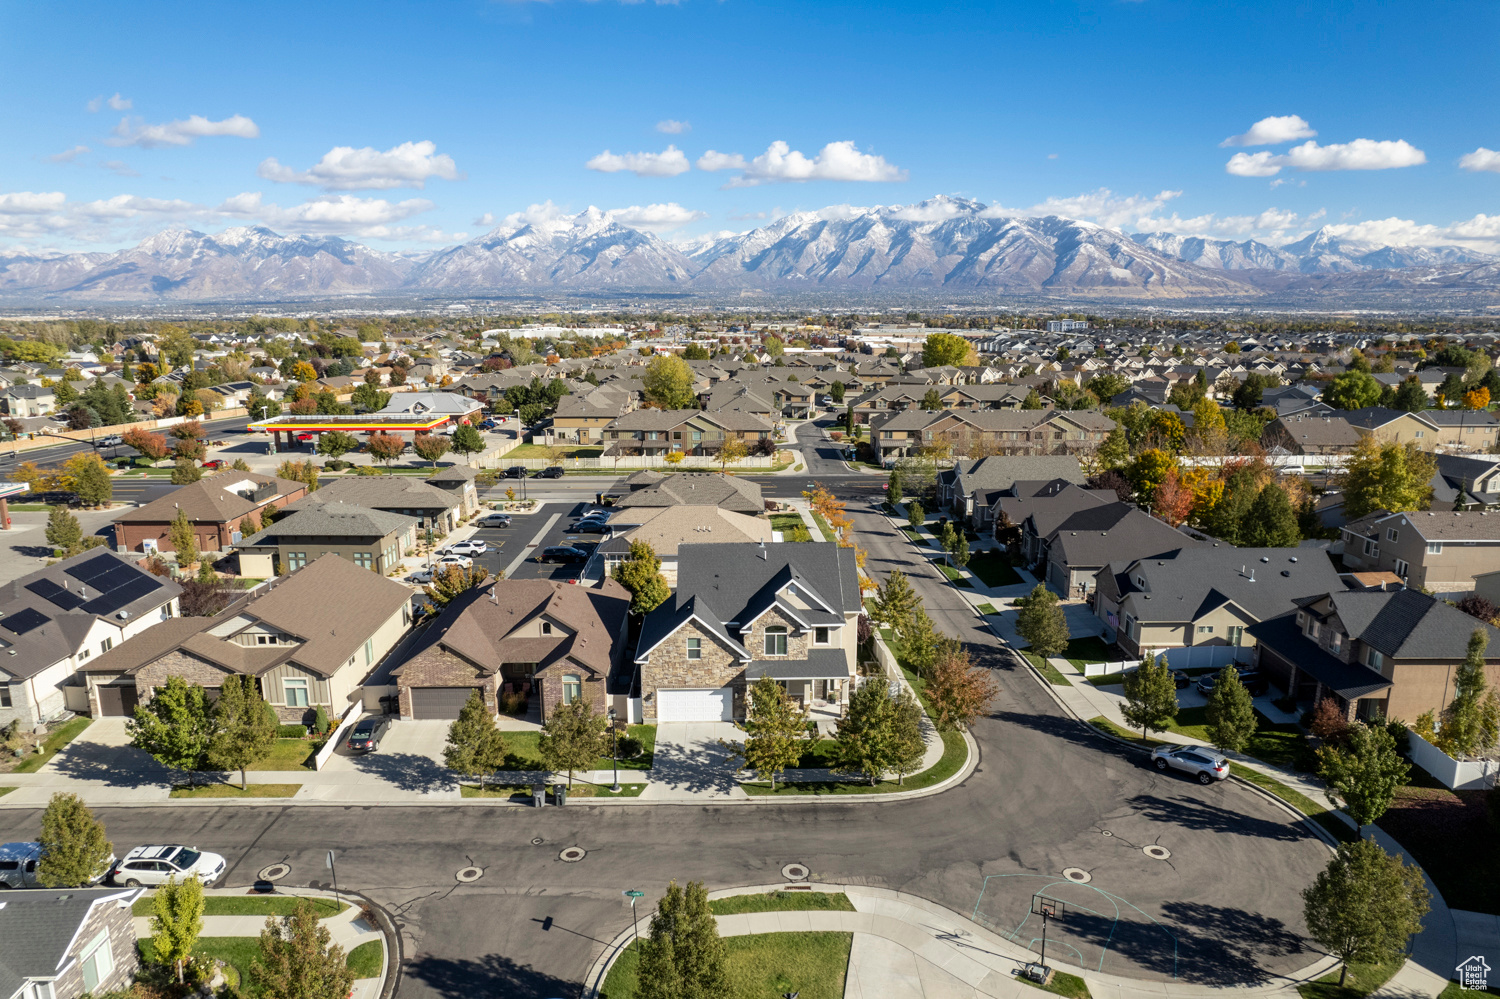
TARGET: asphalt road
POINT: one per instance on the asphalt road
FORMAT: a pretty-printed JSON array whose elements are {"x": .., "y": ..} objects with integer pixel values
[{"x": 1047, "y": 795}]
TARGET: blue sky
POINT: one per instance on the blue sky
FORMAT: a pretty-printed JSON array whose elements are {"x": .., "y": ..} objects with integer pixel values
[{"x": 409, "y": 124}]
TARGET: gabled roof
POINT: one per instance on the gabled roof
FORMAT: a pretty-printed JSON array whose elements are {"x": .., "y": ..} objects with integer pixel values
[
  {"x": 1350, "y": 681},
  {"x": 698, "y": 488},
  {"x": 383, "y": 492},
  {"x": 1115, "y": 532},
  {"x": 1263, "y": 582},
  {"x": 331, "y": 520},
  {"x": 668, "y": 527},
  {"x": 40, "y": 928},
  {"x": 1409, "y": 624},
  {"x": 218, "y": 499}
]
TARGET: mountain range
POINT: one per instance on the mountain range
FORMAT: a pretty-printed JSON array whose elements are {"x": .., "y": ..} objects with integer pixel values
[{"x": 947, "y": 245}]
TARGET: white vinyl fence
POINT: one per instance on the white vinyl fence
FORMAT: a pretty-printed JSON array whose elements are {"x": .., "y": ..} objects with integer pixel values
[
  {"x": 1459, "y": 775},
  {"x": 1187, "y": 657},
  {"x": 626, "y": 464}
]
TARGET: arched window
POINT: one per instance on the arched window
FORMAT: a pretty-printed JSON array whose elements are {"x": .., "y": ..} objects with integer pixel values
[
  {"x": 776, "y": 641},
  {"x": 572, "y": 687}
]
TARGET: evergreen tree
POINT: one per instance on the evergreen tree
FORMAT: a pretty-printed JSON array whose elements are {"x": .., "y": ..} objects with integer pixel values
[
  {"x": 468, "y": 440},
  {"x": 836, "y": 392},
  {"x": 894, "y": 486},
  {"x": 1114, "y": 452},
  {"x": 864, "y": 739},
  {"x": 1270, "y": 522},
  {"x": 775, "y": 729},
  {"x": 1042, "y": 622},
  {"x": 301, "y": 961},
  {"x": 915, "y": 515},
  {"x": 641, "y": 575},
  {"x": 656, "y": 974},
  {"x": 176, "y": 726},
  {"x": 244, "y": 731},
  {"x": 476, "y": 747},
  {"x": 1365, "y": 905},
  {"x": 184, "y": 539},
  {"x": 75, "y": 851},
  {"x": 573, "y": 738},
  {"x": 1032, "y": 401},
  {"x": 907, "y": 748},
  {"x": 896, "y": 601},
  {"x": 1410, "y": 396},
  {"x": 63, "y": 531},
  {"x": 1230, "y": 712},
  {"x": 176, "y": 920},
  {"x": 1227, "y": 517},
  {"x": 932, "y": 402},
  {"x": 1364, "y": 773},
  {"x": 1150, "y": 695},
  {"x": 1471, "y": 723}
]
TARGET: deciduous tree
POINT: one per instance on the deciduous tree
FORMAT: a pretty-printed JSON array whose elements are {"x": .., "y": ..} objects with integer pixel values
[
  {"x": 896, "y": 601},
  {"x": 1365, "y": 905},
  {"x": 731, "y": 452},
  {"x": 244, "y": 730},
  {"x": 1150, "y": 695},
  {"x": 1364, "y": 773},
  {"x": 1390, "y": 476},
  {"x": 336, "y": 443},
  {"x": 300, "y": 959},
  {"x": 175, "y": 726},
  {"x": 1230, "y": 712},
  {"x": 430, "y": 447},
  {"x": 152, "y": 447},
  {"x": 684, "y": 957},
  {"x": 775, "y": 731},
  {"x": 63, "y": 533},
  {"x": 451, "y": 580},
  {"x": 184, "y": 538},
  {"x": 75, "y": 850},
  {"x": 958, "y": 691},
  {"x": 1352, "y": 390},
  {"x": 668, "y": 383},
  {"x": 386, "y": 447},
  {"x": 1471, "y": 723},
  {"x": 573, "y": 738},
  {"x": 944, "y": 348},
  {"x": 1042, "y": 623},
  {"x": 641, "y": 574},
  {"x": 176, "y": 920},
  {"x": 476, "y": 747},
  {"x": 467, "y": 440}
]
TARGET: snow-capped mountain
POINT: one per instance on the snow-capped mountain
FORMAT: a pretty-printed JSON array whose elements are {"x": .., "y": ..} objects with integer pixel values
[{"x": 949, "y": 244}]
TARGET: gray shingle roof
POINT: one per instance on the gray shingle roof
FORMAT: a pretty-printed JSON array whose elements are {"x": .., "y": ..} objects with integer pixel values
[
  {"x": 332, "y": 520},
  {"x": 39, "y": 928},
  {"x": 1196, "y": 579},
  {"x": 1349, "y": 680},
  {"x": 1116, "y": 532},
  {"x": 1409, "y": 624},
  {"x": 699, "y": 489}
]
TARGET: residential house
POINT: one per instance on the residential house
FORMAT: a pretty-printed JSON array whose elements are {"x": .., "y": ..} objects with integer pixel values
[
  {"x": 1437, "y": 552},
  {"x": 371, "y": 539},
  {"x": 215, "y": 506},
  {"x": 56, "y": 620},
  {"x": 311, "y": 639},
  {"x": 1311, "y": 434},
  {"x": 558, "y": 641},
  {"x": 965, "y": 432},
  {"x": 460, "y": 481},
  {"x": 28, "y": 400},
  {"x": 971, "y": 488},
  {"x": 691, "y": 431},
  {"x": 435, "y": 508},
  {"x": 64, "y": 943},
  {"x": 745, "y": 611},
  {"x": 730, "y": 492},
  {"x": 581, "y": 417},
  {"x": 1464, "y": 482},
  {"x": 1092, "y": 538},
  {"x": 1429, "y": 428},
  {"x": 1205, "y": 594},
  {"x": 1028, "y": 513},
  {"x": 1377, "y": 653},
  {"x": 666, "y": 528}
]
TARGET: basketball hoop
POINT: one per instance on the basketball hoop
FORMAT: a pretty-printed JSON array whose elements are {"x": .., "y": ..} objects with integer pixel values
[{"x": 1048, "y": 909}]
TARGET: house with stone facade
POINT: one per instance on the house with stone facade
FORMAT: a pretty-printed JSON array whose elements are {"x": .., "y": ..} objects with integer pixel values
[
  {"x": 1438, "y": 552},
  {"x": 745, "y": 611},
  {"x": 311, "y": 639},
  {"x": 63, "y": 943},
  {"x": 461, "y": 481},
  {"x": 546, "y": 638},
  {"x": 215, "y": 506},
  {"x": 1393, "y": 652}
]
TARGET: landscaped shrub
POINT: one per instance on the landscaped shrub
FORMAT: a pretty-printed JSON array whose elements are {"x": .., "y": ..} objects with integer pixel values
[
  {"x": 628, "y": 747},
  {"x": 320, "y": 721},
  {"x": 512, "y": 703},
  {"x": 292, "y": 731}
]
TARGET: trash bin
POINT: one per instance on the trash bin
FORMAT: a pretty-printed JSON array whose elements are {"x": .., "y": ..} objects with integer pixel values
[
  {"x": 538, "y": 795},
  {"x": 560, "y": 794}
]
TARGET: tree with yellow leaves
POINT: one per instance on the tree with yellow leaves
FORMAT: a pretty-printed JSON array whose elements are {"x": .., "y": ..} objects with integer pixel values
[{"x": 1477, "y": 398}]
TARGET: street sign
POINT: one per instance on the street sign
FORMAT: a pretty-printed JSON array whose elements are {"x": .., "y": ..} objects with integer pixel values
[{"x": 329, "y": 862}]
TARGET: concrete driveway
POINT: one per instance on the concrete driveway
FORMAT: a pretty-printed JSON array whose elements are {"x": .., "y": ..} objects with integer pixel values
[
  {"x": 692, "y": 763},
  {"x": 410, "y": 758},
  {"x": 1080, "y": 618}
]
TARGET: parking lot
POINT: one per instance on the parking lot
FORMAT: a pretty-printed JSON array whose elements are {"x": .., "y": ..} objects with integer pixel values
[{"x": 513, "y": 550}]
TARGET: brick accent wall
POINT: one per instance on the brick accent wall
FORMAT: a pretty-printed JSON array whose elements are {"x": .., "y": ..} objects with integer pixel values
[
  {"x": 551, "y": 681},
  {"x": 439, "y": 669},
  {"x": 669, "y": 666}
]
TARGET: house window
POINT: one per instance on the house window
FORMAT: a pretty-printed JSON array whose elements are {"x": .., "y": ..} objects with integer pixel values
[
  {"x": 5, "y": 701},
  {"x": 106, "y": 645},
  {"x": 820, "y": 636},
  {"x": 697, "y": 435},
  {"x": 41, "y": 990},
  {"x": 1372, "y": 549},
  {"x": 695, "y": 648},
  {"x": 1402, "y": 567},
  {"x": 364, "y": 560},
  {"x": 1205, "y": 629},
  {"x": 369, "y": 651},
  {"x": 1391, "y": 534},
  {"x": 1374, "y": 659},
  {"x": 1236, "y": 634},
  {"x": 98, "y": 961},
  {"x": 295, "y": 688},
  {"x": 84, "y": 654},
  {"x": 1336, "y": 641},
  {"x": 677, "y": 435},
  {"x": 1420, "y": 434},
  {"x": 775, "y": 641},
  {"x": 546, "y": 627},
  {"x": 572, "y": 688},
  {"x": 295, "y": 560},
  {"x": 1435, "y": 548}
]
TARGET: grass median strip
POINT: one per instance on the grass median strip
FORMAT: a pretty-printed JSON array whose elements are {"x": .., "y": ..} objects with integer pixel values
[
  {"x": 1062, "y": 984},
  {"x": 1362, "y": 980},
  {"x": 249, "y": 905},
  {"x": 524, "y": 751},
  {"x": 5, "y": 790},
  {"x": 367, "y": 960},
  {"x": 1048, "y": 670},
  {"x": 233, "y": 791},
  {"x": 55, "y": 741},
  {"x": 782, "y": 901},
  {"x": 812, "y": 965},
  {"x": 579, "y": 790}
]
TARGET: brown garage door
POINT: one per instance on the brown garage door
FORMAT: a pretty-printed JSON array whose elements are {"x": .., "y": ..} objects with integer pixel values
[
  {"x": 116, "y": 700},
  {"x": 439, "y": 702}
]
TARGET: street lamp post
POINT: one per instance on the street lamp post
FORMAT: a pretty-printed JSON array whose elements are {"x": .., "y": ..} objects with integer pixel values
[{"x": 614, "y": 749}]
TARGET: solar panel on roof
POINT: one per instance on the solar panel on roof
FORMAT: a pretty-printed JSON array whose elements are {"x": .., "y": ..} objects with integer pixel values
[
  {"x": 117, "y": 575},
  {"x": 23, "y": 621},
  {"x": 86, "y": 571},
  {"x": 135, "y": 589},
  {"x": 56, "y": 594},
  {"x": 106, "y": 604}
]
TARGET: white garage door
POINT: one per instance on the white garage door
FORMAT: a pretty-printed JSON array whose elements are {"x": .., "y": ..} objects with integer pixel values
[{"x": 694, "y": 705}]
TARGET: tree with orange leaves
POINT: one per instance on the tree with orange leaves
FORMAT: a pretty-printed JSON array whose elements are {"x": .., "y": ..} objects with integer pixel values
[
  {"x": 1173, "y": 501},
  {"x": 1477, "y": 398}
]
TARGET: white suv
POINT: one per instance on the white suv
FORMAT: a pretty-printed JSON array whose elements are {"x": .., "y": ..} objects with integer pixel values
[{"x": 153, "y": 865}]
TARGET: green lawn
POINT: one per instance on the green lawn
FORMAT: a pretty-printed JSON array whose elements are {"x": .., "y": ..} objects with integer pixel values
[
  {"x": 540, "y": 451},
  {"x": 289, "y": 754},
  {"x": 762, "y": 965},
  {"x": 524, "y": 752},
  {"x": 955, "y": 576},
  {"x": 828, "y": 534},
  {"x": 1457, "y": 991},
  {"x": 1090, "y": 649},
  {"x": 367, "y": 960},
  {"x": 993, "y": 570},
  {"x": 1442, "y": 830},
  {"x": 5, "y": 790},
  {"x": 581, "y": 789},
  {"x": 1278, "y": 745},
  {"x": 233, "y": 791},
  {"x": 782, "y": 901},
  {"x": 1062, "y": 984},
  {"x": 237, "y": 952},
  {"x": 249, "y": 905},
  {"x": 789, "y": 524},
  {"x": 1363, "y": 979},
  {"x": 987, "y": 609},
  {"x": 56, "y": 740},
  {"x": 818, "y": 755},
  {"x": 1048, "y": 670}
]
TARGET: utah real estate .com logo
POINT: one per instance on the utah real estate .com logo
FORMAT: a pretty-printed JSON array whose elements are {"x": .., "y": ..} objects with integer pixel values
[{"x": 1474, "y": 973}]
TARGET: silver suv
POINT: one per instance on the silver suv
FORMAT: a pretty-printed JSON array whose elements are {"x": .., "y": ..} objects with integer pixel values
[
  {"x": 1209, "y": 765},
  {"x": 18, "y": 866}
]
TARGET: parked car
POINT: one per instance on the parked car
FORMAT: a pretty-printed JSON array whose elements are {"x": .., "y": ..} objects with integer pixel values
[
  {"x": 563, "y": 554},
  {"x": 306, "y": 438},
  {"x": 598, "y": 515},
  {"x": 555, "y": 472},
  {"x": 589, "y": 527},
  {"x": 1208, "y": 765},
  {"x": 153, "y": 865},
  {"x": 488, "y": 425},
  {"x": 18, "y": 866},
  {"x": 420, "y": 576},
  {"x": 216, "y": 463},
  {"x": 516, "y": 472},
  {"x": 462, "y": 561},
  {"x": 469, "y": 546},
  {"x": 1180, "y": 679},
  {"x": 367, "y": 733},
  {"x": 495, "y": 520},
  {"x": 113, "y": 440},
  {"x": 1255, "y": 681}
]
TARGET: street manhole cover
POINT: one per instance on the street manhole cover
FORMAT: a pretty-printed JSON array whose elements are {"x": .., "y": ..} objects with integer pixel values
[
  {"x": 1105, "y": 832},
  {"x": 572, "y": 855},
  {"x": 469, "y": 875},
  {"x": 795, "y": 872},
  {"x": 538, "y": 841},
  {"x": 275, "y": 872},
  {"x": 1077, "y": 875},
  {"x": 1156, "y": 852}
]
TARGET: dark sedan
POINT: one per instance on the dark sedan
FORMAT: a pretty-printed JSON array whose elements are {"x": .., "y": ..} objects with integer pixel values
[
  {"x": 367, "y": 734},
  {"x": 1180, "y": 679},
  {"x": 589, "y": 527},
  {"x": 563, "y": 554},
  {"x": 555, "y": 472}
]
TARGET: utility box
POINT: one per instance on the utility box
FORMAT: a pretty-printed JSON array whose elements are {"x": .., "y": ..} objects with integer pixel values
[{"x": 1039, "y": 973}]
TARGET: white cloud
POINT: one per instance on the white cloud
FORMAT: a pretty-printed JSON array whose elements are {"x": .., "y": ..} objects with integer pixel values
[
  {"x": 129, "y": 206},
  {"x": 488, "y": 218},
  {"x": 28, "y": 214},
  {"x": 32, "y": 203},
  {"x": 1273, "y": 131},
  {"x": 657, "y": 217},
  {"x": 342, "y": 214},
  {"x": 68, "y": 155},
  {"x": 345, "y": 168},
  {"x": 533, "y": 215},
  {"x": 747, "y": 216},
  {"x": 1481, "y": 159},
  {"x": 136, "y": 132},
  {"x": 781, "y": 163},
  {"x": 1271, "y": 224},
  {"x": 668, "y": 163},
  {"x": 115, "y": 103},
  {"x": 934, "y": 210},
  {"x": 671, "y": 126},
  {"x": 1360, "y": 154},
  {"x": 119, "y": 168},
  {"x": 1482, "y": 232},
  {"x": 1101, "y": 206}
]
